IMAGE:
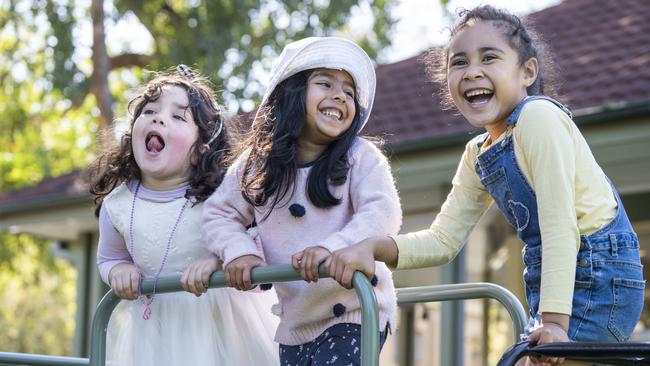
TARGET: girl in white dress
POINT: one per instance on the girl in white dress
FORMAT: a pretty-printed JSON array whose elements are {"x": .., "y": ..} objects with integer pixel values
[{"x": 150, "y": 191}]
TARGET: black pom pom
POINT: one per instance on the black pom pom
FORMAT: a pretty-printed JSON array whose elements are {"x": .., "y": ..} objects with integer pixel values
[
  {"x": 297, "y": 210},
  {"x": 266, "y": 286},
  {"x": 374, "y": 281},
  {"x": 338, "y": 310}
]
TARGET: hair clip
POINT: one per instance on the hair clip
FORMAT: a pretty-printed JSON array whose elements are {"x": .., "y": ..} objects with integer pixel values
[
  {"x": 217, "y": 132},
  {"x": 185, "y": 71}
]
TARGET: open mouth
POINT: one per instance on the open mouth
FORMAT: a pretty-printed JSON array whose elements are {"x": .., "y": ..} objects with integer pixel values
[
  {"x": 154, "y": 142},
  {"x": 332, "y": 113},
  {"x": 478, "y": 96}
]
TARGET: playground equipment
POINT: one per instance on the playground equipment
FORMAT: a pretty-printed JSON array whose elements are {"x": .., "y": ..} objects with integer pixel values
[
  {"x": 614, "y": 354},
  {"x": 604, "y": 353}
]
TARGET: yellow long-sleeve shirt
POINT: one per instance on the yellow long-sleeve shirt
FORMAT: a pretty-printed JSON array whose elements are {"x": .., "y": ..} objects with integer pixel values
[{"x": 573, "y": 197}]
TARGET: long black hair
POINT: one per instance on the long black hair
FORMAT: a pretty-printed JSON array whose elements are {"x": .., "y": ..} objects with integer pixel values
[
  {"x": 117, "y": 164},
  {"x": 270, "y": 168}
]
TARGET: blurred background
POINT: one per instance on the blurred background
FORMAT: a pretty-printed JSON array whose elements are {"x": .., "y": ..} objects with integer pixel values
[{"x": 67, "y": 68}]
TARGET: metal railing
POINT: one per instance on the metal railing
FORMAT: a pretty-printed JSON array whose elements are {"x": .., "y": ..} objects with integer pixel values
[
  {"x": 610, "y": 353},
  {"x": 260, "y": 275},
  {"x": 276, "y": 273},
  {"x": 620, "y": 354},
  {"x": 284, "y": 273},
  {"x": 467, "y": 291},
  {"x": 10, "y": 358}
]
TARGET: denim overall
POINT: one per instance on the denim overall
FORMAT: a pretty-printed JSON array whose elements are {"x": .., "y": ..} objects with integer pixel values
[{"x": 608, "y": 294}]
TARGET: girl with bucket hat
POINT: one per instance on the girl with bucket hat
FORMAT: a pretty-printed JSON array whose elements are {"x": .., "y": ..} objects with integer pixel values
[{"x": 312, "y": 186}]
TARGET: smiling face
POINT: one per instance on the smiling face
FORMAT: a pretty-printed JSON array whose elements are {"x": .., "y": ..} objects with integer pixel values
[
  {"x": 162, "y": 139},
  {"x": 485, "y": 77},
  {"x": 329, "y": 105}
]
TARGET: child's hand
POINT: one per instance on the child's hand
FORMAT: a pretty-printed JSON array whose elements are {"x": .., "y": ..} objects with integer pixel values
[
  {"x": 548, "y": 332},
  {"x": 344, "y": 262},
  {"x": 361, "y": 257},
  {"x": 238, "y": 272},
  {"x": 307, "y": 262},
  {"x": 124, "y": 279},
  {"x": 196, "y": 277}
]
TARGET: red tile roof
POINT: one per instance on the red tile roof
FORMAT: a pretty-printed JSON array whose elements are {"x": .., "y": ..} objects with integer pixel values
[
  {"x": 601, "y": 48},
  {"x": 407, "y": 107}
]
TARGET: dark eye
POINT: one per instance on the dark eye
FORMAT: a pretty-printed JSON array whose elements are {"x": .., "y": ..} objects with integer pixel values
[
  {"x": 179, "y": 117},
  {"x": 148, "y": 111},
  {"x": 323, "y": 83},
  {"x": 350, "y": 93},
  {"x": 489, "y": 57},
  {"x": 457, "y": 62}
]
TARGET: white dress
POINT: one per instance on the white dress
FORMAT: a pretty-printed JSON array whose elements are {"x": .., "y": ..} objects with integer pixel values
[{"x": 221, "y": 327}]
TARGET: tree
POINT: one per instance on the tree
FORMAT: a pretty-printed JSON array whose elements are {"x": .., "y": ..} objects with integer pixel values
[
  {"x": 231, "y": 41},
  {"x": 42, "y": 134}
]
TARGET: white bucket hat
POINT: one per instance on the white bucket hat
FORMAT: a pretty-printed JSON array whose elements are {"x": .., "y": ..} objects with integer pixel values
[{"x": 328, "y": 53}]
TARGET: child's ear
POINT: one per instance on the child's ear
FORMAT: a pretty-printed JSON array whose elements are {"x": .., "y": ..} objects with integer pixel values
[
  {"x": 531, "y": 68},
  {"x": 203, "y": 148}
]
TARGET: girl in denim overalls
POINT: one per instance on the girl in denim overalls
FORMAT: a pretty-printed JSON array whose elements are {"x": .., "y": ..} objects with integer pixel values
[{"x": 536, "y": 166}]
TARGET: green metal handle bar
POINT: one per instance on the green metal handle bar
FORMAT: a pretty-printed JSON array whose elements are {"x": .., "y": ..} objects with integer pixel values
[
  {"x": 275, "y": 273},
  {"x": 9, "y": 358},
  {"x": 370, "y": 331},
  {"x": 465, "y": 291}
]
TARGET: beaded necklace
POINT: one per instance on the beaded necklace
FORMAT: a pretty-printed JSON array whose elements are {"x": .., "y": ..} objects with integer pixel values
[{"x": 147, "y": 301}]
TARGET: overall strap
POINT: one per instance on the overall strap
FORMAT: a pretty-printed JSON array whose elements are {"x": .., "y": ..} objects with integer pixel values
[{"x": 514, "y": 116}]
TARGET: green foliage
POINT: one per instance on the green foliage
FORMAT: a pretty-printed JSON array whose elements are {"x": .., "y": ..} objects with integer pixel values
[
  {"x": 43, "y": 135},
  {"x": 66, "y": 75},
  {"x": 38, "y": 298},
  {"x": 43, "y": 132},
  {"x": 228, "y": 39}
]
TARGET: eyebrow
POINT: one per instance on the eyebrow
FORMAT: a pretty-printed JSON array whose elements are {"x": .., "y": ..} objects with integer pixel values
[
  {"x": 481, "y": 50},
  {"x": 328, "y": 75},
  {"x": 181, "y": 106},
  {"x": 177, "y": 106}
]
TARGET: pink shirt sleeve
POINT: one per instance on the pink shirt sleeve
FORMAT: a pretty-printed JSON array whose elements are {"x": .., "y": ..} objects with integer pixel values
[
  {"x": 225, "y": 216},
  {"x": 112, "y": 247},
  {"x": 375, "y": 201}
]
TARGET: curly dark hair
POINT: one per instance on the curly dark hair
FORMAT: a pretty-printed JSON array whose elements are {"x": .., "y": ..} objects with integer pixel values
[
  {"x": 520, "y": 36},
  {"x": 116, "y": 163},
  {"x": 270, "y": 168}
]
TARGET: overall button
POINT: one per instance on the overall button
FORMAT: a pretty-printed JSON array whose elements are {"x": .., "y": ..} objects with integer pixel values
[{"x": 583, "y": 262}]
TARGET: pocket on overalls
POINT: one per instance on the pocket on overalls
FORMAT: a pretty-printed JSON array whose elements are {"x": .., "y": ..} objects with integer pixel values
[
  {"x": 521, "y": 214},
  {"x": 627, "y": 307},
  {"x": 496, "y": 184}
]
